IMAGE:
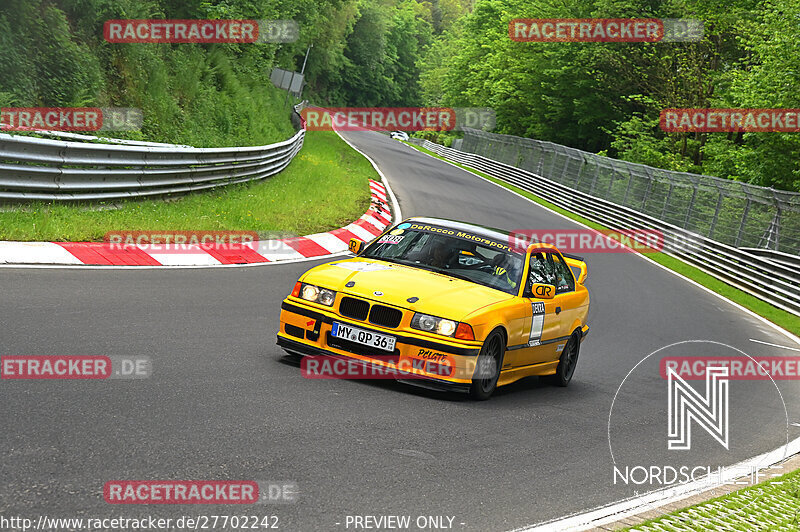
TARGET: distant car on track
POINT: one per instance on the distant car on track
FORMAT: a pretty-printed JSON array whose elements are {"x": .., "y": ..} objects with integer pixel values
[
  {"x": 443, "y": 304},
  {"x": 399, "y": 135}
]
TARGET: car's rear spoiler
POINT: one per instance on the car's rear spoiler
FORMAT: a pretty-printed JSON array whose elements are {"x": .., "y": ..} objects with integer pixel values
[{"x": 577, "y": 262}]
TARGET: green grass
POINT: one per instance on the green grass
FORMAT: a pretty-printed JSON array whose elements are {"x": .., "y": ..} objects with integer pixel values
[
  {"x": 324, "y": 187},
  {"x": 780, "y": 317},
  {"x": 773, "y": 505}
]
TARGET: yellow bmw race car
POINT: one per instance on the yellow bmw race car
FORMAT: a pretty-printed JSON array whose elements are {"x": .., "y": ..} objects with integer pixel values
[{"x": 442, "y": 304}]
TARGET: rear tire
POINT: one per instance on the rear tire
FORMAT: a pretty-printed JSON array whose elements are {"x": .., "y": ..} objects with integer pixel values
[
  {"x": 488, "y": 366},
  {"x": 567, "y": 362}
]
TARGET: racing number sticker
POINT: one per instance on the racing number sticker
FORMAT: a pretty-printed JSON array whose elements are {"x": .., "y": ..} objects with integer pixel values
[
  {"x": 537, "y": 323},
  {"x": 391, "y": 239}
]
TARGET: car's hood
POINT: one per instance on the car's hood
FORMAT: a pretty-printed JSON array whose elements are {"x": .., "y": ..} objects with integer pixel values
[{"x": 439, "y": 295}]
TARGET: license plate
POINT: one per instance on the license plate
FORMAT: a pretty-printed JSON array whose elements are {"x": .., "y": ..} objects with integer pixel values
[{"x": 360, "y": 336}]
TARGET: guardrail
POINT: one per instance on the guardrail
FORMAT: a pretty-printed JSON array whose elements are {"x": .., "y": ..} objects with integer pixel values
[
  {"x": 775, "y": 256},
  {"x": 732, "y": 212},
  {"x": 83, "y": 169},
  {"x": 771, "y": 281}
]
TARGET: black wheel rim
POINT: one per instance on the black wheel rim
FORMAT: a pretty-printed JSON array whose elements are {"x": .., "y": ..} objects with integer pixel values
[
  {"x": 570, "y": 359},
  {"x": 490, "y": 363}
]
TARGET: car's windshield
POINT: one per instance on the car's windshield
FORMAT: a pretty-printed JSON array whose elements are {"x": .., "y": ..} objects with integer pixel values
[{"x": 456, "y": 253}]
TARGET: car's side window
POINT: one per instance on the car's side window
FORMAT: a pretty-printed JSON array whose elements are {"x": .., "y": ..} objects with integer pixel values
[
  {"x": 548, "y": 268},
  {"x": 539, "y": 269},
  {"x": 565, "y": 282}
]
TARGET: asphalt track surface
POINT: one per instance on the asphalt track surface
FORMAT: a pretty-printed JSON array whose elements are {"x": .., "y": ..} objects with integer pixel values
[{"x": 224, "y": 403}]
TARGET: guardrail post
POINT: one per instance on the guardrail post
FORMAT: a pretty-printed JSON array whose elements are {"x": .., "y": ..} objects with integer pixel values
[
  {"x": 773, "y": 230},
  {"x": 594, "y": 179},
  {"x": 539, "y": 158},
  {"x": 777, "y": 232},
  {"x": 566, "y": 167},
  {"x": 691, "y": 206},
  {"x": 744, "y": 221},
  {"x": 611, "y": 181},
  {"x": 716, "y": 215},
  {"x": 628, "y": 188},
  {"x": 578, "y": 173},
  {"x": 666, "y": 201},
  {"x": 650, "y": 179}
]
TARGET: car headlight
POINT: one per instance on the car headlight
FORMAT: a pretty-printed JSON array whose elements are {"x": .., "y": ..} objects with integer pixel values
[
  {"x": 427, "y": 323},
  {"x": 315, "y": 294}
]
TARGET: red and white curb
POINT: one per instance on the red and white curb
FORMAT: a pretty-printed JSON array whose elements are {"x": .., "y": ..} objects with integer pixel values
[{"x": 366, "y": 228}]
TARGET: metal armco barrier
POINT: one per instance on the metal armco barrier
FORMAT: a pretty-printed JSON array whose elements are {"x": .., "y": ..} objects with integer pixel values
[
  {"x": 728, "y": 211},
  {"x": 77, "y": 169},
  {"x": 775, "y": 282}
]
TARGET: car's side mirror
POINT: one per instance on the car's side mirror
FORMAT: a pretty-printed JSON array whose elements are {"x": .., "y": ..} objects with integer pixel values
[
  {"x": 356, "y": 246},
  {"x": 541, "y": 291}
]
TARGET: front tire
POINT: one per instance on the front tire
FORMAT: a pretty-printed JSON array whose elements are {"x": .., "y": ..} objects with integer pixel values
[
  {"x": 487, "y": 369},
  {"x": 567, "y": 362}
]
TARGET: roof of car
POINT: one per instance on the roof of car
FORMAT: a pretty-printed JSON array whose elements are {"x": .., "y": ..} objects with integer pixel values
[{"x": 488, "y": 232}]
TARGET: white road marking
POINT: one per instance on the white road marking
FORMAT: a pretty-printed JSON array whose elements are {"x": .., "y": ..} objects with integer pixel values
[
  {"x": 395, "y": 205},
  {"x": 661, "y": 497},
  {"x": 774, "y": 345}
]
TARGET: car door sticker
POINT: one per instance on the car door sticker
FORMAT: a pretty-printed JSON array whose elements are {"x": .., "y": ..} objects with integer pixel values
[{"x": 537, "y": 323}]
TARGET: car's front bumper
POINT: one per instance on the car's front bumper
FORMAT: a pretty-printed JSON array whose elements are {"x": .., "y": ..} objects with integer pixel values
[
  {"x": 299, "y": 348},
  {"x": 306, "y": 330}
]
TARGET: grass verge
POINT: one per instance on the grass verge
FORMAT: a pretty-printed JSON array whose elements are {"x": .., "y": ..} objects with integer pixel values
[
  {"x": 323, "y": 188},
  {"x": 780, "y": 317},
  {"x": 771, "y": 505}
]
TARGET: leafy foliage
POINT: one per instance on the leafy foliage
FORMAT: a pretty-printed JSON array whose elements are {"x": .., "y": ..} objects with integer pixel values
[
  {"x": 601, "y": 97},
  {"x": 607, "y": 96}
]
